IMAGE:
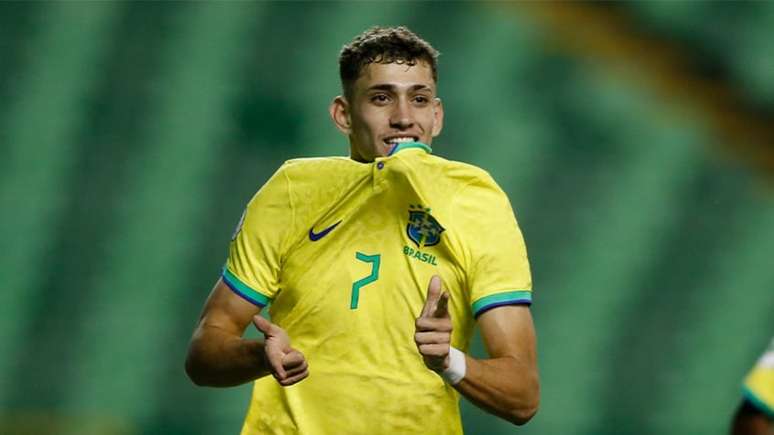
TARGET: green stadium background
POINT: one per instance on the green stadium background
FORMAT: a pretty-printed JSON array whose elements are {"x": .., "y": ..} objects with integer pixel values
[{"x": 633, "y": 139}]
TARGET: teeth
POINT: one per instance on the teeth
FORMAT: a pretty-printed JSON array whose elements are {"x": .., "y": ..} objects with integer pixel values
[{"x": 402, "y": 139}]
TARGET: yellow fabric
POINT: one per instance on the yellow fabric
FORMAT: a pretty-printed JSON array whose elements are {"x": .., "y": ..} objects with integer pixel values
[
  {"x": 366, "y": 375},
  {"x": 759, "y": 383}
]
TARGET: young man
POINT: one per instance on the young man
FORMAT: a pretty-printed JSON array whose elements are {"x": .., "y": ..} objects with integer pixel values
[
  {"x": 755, "y": 415},
  {"x": 377, "y": 267}
]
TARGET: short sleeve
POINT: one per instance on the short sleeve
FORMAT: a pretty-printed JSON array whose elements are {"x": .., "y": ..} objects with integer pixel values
[
  {"x": 759, "y": 384},
  {"x": 498, "y": 269},
  {"x": 255, "y": 253}
]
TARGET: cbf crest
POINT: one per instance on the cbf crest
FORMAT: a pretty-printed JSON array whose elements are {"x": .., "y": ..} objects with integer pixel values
[{"x": 422, "y": 228}]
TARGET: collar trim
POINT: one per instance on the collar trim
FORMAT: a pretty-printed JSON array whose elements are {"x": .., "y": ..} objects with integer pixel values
[{"x": 407, "y": 145}]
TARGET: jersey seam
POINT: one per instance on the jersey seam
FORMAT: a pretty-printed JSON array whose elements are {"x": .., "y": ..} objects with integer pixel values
[{"x": 292, "y": 217}]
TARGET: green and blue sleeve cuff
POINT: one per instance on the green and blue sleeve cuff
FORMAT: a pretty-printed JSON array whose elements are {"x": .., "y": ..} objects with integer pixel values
[
  {"x": 245, "y": 291},
  {"x": 757, "y": 402},
  {"x": 518, "y": 297}
]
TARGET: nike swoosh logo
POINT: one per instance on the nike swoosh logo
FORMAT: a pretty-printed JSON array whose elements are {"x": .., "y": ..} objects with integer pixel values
[{"x": 317, "y": 236}]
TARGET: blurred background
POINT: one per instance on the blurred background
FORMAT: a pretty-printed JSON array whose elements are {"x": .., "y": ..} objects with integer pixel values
[{"x": 635, "y": 141}]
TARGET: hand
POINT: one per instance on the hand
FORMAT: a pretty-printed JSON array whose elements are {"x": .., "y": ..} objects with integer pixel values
[
  {"x": 434, "y": 327},
  {"x": 287, "y": 365}
]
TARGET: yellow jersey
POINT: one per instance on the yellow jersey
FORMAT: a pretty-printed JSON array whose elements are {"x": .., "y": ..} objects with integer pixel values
[
  {"x": 759, "y": 383},
  {"x": 344, "y": 252}
]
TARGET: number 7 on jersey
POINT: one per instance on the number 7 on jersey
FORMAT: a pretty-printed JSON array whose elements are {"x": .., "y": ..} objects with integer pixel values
[{"x": 357, "y": 285}]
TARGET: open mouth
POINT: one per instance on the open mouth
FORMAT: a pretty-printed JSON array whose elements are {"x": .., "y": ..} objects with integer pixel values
[{"x": 396, "y": 140}]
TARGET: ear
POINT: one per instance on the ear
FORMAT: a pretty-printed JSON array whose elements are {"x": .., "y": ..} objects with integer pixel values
[
  {"x": 438, "y": 117},
  {"x": 339, "y": 110}
]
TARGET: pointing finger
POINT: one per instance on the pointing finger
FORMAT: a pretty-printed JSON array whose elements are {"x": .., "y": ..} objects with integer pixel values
[
  {"x": 433, "y": 293},
  {"x": 263, "y": 325}
]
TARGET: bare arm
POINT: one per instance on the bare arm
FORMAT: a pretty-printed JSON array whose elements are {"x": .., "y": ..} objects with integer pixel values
[
  {"x": 218, "y": 356},
  {"x": 506, "y": 384}
]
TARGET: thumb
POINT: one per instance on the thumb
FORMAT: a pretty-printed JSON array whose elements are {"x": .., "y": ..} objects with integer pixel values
[
  {"x": 442, "y": 308},
  {"x": 263, "y": 325},
  {"x": 433, "y": 295}
]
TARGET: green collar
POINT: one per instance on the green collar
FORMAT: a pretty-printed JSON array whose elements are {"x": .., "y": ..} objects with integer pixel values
[{"x": 407, "y": 145}]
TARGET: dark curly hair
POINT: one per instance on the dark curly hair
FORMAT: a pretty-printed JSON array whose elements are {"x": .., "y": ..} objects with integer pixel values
[{"x": 383, "y": 45}]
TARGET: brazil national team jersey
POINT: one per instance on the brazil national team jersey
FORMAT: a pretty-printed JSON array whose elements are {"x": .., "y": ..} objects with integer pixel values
[
  {"x": 759, "y": 384},
  {"x": 344, "y": 252}
]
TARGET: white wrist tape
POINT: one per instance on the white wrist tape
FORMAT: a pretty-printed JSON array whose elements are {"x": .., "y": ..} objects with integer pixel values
[{"x": 456, "y": 370}]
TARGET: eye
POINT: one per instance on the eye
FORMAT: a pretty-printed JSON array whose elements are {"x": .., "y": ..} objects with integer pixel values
[
  {"x": 421, "y": 99},
  {"x": 380, "y": 98}
]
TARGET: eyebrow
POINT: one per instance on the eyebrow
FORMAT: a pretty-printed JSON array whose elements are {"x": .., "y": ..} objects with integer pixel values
[{"x": 393, "y": 88}]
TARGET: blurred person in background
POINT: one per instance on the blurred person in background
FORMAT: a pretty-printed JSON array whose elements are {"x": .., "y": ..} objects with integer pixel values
[
  {"x": 377, "y": 267},
  {"x": 755, "y": 415}
]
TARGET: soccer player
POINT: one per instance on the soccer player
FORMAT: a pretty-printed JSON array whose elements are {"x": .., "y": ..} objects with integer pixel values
[
  {"x": 755, "y": 415},
  {"x": 377, "y": 267}
]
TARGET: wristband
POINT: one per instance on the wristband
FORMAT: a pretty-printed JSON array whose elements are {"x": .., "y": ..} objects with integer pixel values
[{"x": 456, "y": 370}]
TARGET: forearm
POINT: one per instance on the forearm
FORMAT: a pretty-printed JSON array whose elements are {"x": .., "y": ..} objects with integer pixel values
[
  {"x": 219, "y": 359},
  {"x": 503, "y": 386}
]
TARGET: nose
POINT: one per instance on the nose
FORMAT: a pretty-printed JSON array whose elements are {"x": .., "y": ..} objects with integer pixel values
[{"x": 402, "y": 118}]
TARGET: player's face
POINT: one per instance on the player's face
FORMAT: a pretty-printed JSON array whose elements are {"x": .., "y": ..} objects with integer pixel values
[{"x": 390, "y": 103}]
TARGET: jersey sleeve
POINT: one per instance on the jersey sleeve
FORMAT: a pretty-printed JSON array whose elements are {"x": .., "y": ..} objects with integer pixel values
[
  {"x": 256, "y": 249},
  {"x": 498, "y": 269},
  {"x": 759, "y": 384}
]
